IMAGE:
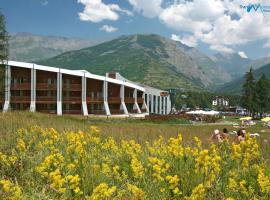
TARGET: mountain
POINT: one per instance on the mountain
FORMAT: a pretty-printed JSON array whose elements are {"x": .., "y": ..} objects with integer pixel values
[
  {"x": 29, "y": 47},
  {"x": 236, "y": 65},
  {"x": 236, "y": 85},
  {"x": 146, "y": 58},
  {"x": 233, "y": 63}
]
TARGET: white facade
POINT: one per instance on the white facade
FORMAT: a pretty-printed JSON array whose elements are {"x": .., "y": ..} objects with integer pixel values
[{"x": 155, "y": 101}]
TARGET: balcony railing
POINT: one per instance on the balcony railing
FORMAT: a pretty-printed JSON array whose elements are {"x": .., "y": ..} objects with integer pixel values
[
  {"x": 129, "y": 100},
  {"x": 72, "y": 87},
  {"x": 72, "y": 112},
  {"x": 97, "y": 112},
  {"x": 72, "y": 100},
  {"x": 45, "y": 99},
  {"x": 94, "y": 99},
  {"x": 20, "y": 99},
  {"x": 133, "y": 111},
  {"x": 47, "y": 111},
  {"x": 140, "y": 100},
  {"x": 46, "y": 86},
  {"x": 114, "y": 100},
  {"x": 20, "y": 86}
]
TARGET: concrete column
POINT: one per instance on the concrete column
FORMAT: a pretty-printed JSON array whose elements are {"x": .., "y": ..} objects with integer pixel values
[
  {"x": 7, "y": 88},
  {"x": 59, "y": 93},
  {"x": 122, "y": 96},
  {"x": 156, "y": 104},
  {"x": 152, "y": 104},
  {"x": 145, "y": 106},
  {"x": 164, "y": 105},
  {"x": 168, "y": 105},
  {"x": 160, "y": 105},
  {"x": 148, "y": 100},
  {"x": 136, "y": 106},
  {"x": 33, "y": 89},
  {"x": 105, "y": 95},
  {"x": 84, "y": 104}
]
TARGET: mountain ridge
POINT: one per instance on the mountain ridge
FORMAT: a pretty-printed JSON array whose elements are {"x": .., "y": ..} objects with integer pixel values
[{"x": 147, "y": 58}]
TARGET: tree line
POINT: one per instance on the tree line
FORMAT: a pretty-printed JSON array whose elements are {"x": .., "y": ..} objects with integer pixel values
[{"x": 256, "y": 95}]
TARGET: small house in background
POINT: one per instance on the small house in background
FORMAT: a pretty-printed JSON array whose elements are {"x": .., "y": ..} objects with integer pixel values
[{"x": 220, "y": 101}]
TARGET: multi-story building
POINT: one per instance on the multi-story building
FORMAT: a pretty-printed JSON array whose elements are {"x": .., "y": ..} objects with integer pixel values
[
  {"x": 220, "y": 101},
  {"x": 60, "y": 91}
]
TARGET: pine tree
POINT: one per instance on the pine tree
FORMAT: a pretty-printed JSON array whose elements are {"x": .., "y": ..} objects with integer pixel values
[
  {"x": 3, "y": 52},
  {"x": 249, "y": 97},
  {"x": 263, "y": 93}
]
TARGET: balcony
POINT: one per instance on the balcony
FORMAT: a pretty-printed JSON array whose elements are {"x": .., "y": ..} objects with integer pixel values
[
  {"x": 20, "y": 99},
  {"x": 129, "y": 100},
  {"x": 97, "y": 112},
  {"x": 45, "y": 99},
  {"x": 72, "y": 112},
  {"x": 140, "y": 100},
  {"x": 46, "y": 86},
  {"x": 116, "y": 111},
  {"x": 20, "y": 86},
  {"x": 72, "y": 87},
  {"x": 72, "y": 100},
  {"x": 47, "y": 111},
  {"x": 95, "y": 99},
  {"x": 114, "y": 100}
]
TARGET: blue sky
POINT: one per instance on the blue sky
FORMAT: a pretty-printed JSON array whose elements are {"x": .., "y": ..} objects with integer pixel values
[{"x": 210, "y": 25}]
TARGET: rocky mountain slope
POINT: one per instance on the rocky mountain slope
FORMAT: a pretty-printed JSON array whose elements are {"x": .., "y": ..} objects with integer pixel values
[{"x": 149, "y": 59}]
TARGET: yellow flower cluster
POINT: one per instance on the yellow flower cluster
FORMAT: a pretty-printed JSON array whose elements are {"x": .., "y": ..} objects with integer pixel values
[
  {"x": 10, "y": 190},
  {"x": 263, "y": 181},
  {"x": 198, "y": 193},
  {"x": 246, "y": 152},
  {"x": 84, "y": 165},
  {"x": 159, "y": 168},
  {"x": 102, "y": 191},
  {"x": 137, "y": 167},
  {"x": 175, "y": 146},
  {"x": 136, "y": 192},
  {"x": 173, "y": 184}
]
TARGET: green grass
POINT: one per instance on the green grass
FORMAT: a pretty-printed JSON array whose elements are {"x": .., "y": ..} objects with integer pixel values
[
  {"x": 138, "y": 129},
  {"x": 89, "y": 152}
]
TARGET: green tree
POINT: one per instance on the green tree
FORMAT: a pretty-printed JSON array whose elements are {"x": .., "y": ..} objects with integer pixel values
[
  {"x": 249, "y": 97},
  {"x": 263, "y": 94},
  {"x": 3, "y": 52}
]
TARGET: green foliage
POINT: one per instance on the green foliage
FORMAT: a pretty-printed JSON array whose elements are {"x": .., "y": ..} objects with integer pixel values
[
  {"x": 256, "y": 95},
  {"x": 263, "y": 94},
  {"x": 249, "y": 97}
]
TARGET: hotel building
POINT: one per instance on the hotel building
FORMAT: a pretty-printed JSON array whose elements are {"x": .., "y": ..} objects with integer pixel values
[{"x": 37, "y": 88}]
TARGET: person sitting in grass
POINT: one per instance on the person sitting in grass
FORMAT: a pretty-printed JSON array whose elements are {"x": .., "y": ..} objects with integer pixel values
[
  {"x": 241, "y": 133},
  {"x": 216, "y": 136},
  {"x": 225, "y": 134}
]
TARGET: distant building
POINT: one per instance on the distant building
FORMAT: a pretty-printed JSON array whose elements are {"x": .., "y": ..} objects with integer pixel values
[{"x": 220, "y": 101}]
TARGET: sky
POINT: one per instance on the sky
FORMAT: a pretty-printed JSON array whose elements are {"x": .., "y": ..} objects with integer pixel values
[{"x": 212, "y": 26}]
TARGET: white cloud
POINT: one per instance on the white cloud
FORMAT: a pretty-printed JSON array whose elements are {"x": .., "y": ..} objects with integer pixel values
[
  {"x": 108, "y": 29},
  {"x": 188, "y": 40},
  {"x": 221, "y": 24},
  {"x": 242, "y": 54},
  {"x": 221, "y": 48},
  {"x": 149, "y": 8},
  {"x": 97, "y": 11}
]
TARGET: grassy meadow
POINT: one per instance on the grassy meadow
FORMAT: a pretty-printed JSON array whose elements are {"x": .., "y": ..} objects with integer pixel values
[{"x": 71, "y": 157}]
